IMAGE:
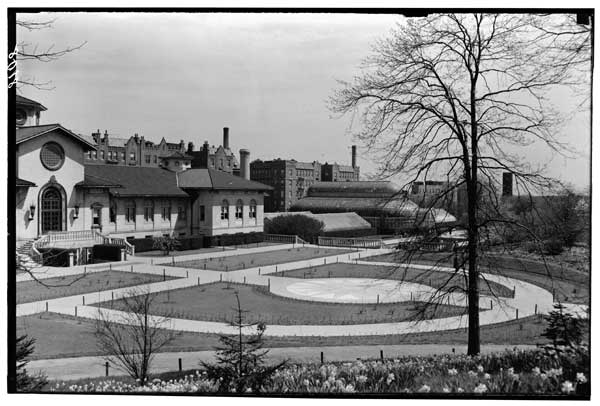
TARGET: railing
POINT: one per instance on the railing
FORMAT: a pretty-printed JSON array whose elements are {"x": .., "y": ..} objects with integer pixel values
[
  {"x": 351, "y": 242},
  {"x": 282, "y": 238},
  {"x": 129, "y": 248},
  {"x": 432, "y": 246}
]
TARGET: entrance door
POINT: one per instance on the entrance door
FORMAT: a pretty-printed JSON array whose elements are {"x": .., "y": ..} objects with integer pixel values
[{"x": 51, "y": 210}]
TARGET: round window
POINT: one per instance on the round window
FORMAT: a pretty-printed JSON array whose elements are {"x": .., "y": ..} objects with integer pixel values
[
  {"x": 21, "y": 116},
  {"x": 52, "y": 156}
]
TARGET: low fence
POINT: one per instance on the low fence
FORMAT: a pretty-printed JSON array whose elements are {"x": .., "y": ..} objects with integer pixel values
[
  {"x": 284, "y": 238},
  {"x": 432, "y": 246},
  {"x": 350, "y": 242}
]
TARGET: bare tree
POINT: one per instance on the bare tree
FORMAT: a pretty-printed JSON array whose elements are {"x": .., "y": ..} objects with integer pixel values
[
  {"x": 131, "y": 339},
  {"x": 458, "y": 95},
  {"x": 27, "y": 51}
]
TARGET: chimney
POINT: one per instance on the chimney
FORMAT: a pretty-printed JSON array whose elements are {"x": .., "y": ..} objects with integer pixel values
[
  {"x": 354, "y": 156},
  {"x": 190, "y": 147},
  {"x": 226, "y": 137},
  {"x": 106, "y": 136},
  {"x": 245, "y": 164},
  {"x": 507, "y": 184}
]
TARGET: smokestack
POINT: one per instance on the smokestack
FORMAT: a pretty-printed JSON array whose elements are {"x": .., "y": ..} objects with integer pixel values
[
  {"x": 354, "y": 156},
  {"x": 507, "y": 184},
  {"x": 225, "y": 137},
  {"x": 245, "y": 164}
]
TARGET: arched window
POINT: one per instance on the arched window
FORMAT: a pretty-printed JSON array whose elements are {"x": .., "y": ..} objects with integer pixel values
[
  {"x": 239, "y": 209},
  {"x": 130, "y": 211},
  {"x": 225, "y": 210},
  {"x": 252, "y": 209},
  {"x": 149, "y": 210}
]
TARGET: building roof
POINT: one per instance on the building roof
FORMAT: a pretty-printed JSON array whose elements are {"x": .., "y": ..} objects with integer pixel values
[
  {"x": 217, "y": 180},
  {"x": 176, "y": 155},
  {"x": 23, "y": 182},
  {"x": 91, "y": 181},
  {"x": 331, "y": 221},
  {"x": 368, "y": 189},
  {"x": 28, "y": 133},
  {"x": 306, "y": 165},
  {"x": 135, "y": 180},
  {"x": 29, "y": 102},
  {"x": 362, "y": 205}
]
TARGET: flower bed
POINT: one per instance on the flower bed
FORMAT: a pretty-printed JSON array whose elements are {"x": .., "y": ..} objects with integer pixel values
[{"x": 533, "y": 372}]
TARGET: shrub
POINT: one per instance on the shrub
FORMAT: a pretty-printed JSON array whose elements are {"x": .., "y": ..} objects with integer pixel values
[
  {"x": 166, "y": 244},
  {"x": 109, "y": 252},
  {"x": 304, "y": 227},
  {"x": 553, "y": 247}
]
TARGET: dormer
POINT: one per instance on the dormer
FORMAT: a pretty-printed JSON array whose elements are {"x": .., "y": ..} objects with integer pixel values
[{"x": 27, "y": 112}]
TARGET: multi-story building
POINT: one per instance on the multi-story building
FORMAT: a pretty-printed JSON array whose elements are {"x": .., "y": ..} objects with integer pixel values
[
  {"x": 133, "y": 151},
  {"x": 220, "y": 158},
  {"x": 291, "y": 179},
  {"x": 59, "y": 190},
  {"x": 341, "y": 173}
]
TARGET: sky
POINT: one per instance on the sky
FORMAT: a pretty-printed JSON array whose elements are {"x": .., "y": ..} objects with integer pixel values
[{"x": 265, "y": 76}]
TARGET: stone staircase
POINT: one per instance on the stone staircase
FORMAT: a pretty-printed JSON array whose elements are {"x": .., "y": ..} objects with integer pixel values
[{"x": 24, "y": 254}]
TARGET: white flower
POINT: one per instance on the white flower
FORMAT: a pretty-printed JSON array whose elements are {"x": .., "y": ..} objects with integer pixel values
[
  {"x": 487, "y": 376},
  {"x": 452, "y": 372},
  {"x": 424, "y": 389},
  {"x": 361, "y": 379},
  {"x": 543, "y": 376},
  {"x": 472, "y": 374},
  {"x": 390, "y": 378},
  {"x": 305, "y": 382},
  {"x": 480, "y": 368},
  {"x": 460, "y": 390},
  {"x": 446, "y": 389},
  {"x": 581, "y": 378},
  {"x": 567, "y": 387},
  {"x": 536, "y": 371},
  {"x": 349, "y": 388},
  {"x": 481, "y": 388}
]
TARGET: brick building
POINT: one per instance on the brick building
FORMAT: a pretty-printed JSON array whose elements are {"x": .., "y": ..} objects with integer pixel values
[{"x": 291, "y": 179}]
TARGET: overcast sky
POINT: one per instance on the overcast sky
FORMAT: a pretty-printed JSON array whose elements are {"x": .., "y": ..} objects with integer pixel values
[{"x": 186, "y": 76}]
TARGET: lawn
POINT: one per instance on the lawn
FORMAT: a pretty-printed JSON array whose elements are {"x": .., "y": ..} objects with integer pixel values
[
  {"x": 216, "y": 302},
  {"x": 59, "y": 336},
  {"x": 236, "y": 262},
  {"x": 445, "y": 281},
  {"x": 52, "y": 288},
  {"x": 570, "y": 285},
  {"x": 159, "y": 254}
]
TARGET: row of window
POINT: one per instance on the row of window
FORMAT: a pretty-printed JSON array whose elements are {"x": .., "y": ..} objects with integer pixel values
[
  {"x": 212, "y": 162},
  {"x": 239, "y": 209},
  {"x": 115, "y": 155},
  {"x": 130, "y": 212}
]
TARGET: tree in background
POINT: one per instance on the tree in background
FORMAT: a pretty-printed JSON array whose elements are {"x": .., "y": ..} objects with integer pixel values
[
  {"x": 303, "y": 226},
  {"x": 458, "y": 94},
  {"x": 241, "y": 365},
  {"x": 129, "y": 339},
  {"x": 26, "y": 382}
]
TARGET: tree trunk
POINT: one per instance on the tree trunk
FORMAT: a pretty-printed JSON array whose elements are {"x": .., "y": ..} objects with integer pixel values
[{"x": 473, "y": 192}]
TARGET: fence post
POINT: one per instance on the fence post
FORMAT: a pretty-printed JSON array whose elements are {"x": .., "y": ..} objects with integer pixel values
[
  {"x": 83, "y": 300},
  {"x": 220, "y": 277},
  {"x": 269, "y": 284},
  {"x": 84, "y": 269},
  {"x": 517, "y": 313},
  {"x": 198, "y": 280},
  {"x": 131, "y": 268},
  {"x": 75, "y": 311},
  {"x": 322, "y": 357},
  {"x": 180, "y": 365},
  {"x": 259, "y": 271},
  {"x": 112, "y": 295},
  {"x": 244, "y": 279},
  {"x": 378, "y": 298},
  {"x": 535, "y": 311},
  {"x": 491, "y": 305},
  {"x": 187, "y": 275},
  {"x": 46, "y": 306},
  {"x": 173, "y": 260},
  {"x": 106, "y": 366},
  {"x": 164, "y": 275}
]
